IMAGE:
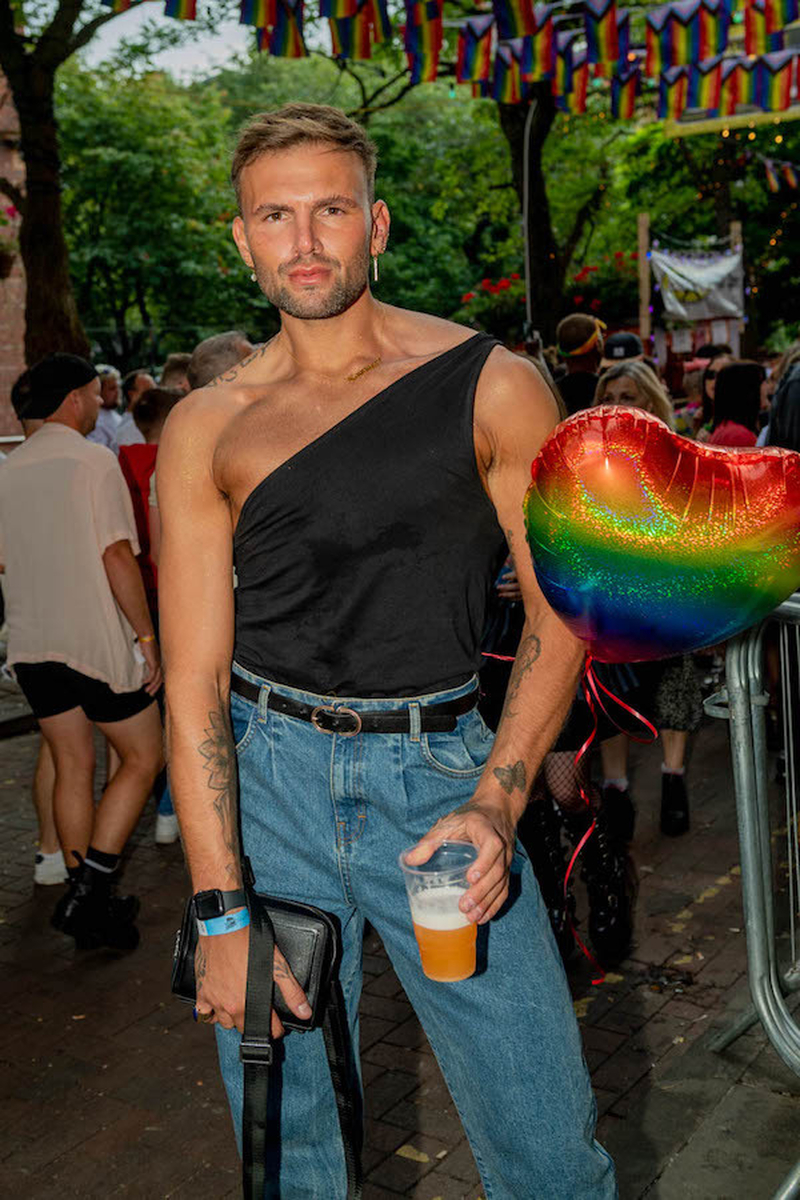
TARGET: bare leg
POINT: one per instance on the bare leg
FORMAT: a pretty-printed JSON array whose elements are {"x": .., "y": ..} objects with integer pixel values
[
  {"x": 69, "y": 736},
  {"x": 564, "y": 778},
  {"x": 674, "y": 742},
  {"x": 137, "y": 742},
  {"x": 44, "y": 779},
  {"x": 614, "y": 753},
  {"x": 112, "y": 763}
]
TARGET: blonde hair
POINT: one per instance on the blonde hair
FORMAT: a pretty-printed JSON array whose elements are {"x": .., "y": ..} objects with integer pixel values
[
  {"x": 296, "y": 124},
  {"x": 653, "y": 397}
]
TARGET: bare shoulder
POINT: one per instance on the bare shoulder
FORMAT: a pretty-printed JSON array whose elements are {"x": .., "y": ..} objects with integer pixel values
[
  {"x": 515, "y": 408},
  {"x": 422, "y": 334}
]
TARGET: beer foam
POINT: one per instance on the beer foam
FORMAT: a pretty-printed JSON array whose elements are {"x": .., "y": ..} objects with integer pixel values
[{"x": 437, "y": 908}]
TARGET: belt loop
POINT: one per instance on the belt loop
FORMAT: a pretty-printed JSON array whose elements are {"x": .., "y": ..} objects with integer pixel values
[
  {"x": 414, "y": 721},
  {"x": 263, "y": 702}
]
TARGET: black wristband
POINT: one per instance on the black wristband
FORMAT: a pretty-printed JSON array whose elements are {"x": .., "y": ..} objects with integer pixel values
[{"x": 214, "y": 903}]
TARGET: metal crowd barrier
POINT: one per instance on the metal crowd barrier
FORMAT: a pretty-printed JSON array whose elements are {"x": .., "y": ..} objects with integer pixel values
[{"x": 743, "y": 702}]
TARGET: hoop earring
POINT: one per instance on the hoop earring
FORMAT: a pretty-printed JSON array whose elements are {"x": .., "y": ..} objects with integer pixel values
[{"x": 375, "y": 268}]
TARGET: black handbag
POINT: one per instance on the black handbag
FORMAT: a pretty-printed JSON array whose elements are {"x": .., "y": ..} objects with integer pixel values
[{"x": 310, "y": 942}]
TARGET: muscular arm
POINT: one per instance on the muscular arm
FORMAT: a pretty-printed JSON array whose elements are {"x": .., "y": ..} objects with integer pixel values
[
  {"x": 196, "y": 616},
  {"x": 515, "y": 412}
]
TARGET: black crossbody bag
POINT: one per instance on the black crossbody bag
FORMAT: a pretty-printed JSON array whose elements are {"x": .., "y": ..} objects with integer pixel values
[{"x": 310, "y": 941}]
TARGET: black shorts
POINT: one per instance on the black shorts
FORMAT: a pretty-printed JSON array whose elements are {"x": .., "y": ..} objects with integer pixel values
[{"x": 52, "y": 688}]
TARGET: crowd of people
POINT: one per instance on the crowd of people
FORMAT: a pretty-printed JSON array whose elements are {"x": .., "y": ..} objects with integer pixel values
[{"x": 79, "y": 553}]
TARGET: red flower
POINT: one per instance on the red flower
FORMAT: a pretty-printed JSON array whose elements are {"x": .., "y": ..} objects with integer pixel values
[
  {"x": 504, "y": 285},
  {"x": 618, "y": 254},
  {"x": 465, "y": 299},
  {"x": 595, "y": 305},
  {"x": 11, "y": 211},
  {"x": 577, "y": 301},
  {"x": 634, "y": 254},
  {"x": 515, "y": 276},
  {"x": 494, "y": 288},
  {"x": 591, "y": 268},
  {"x": 486, "y": 285}
]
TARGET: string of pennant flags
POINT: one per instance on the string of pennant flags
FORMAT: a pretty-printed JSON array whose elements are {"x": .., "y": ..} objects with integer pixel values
[{"x": 688, "y": 51}]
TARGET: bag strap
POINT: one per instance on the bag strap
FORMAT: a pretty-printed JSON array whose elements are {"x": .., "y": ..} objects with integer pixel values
[{"x": 256, "y": 1054}]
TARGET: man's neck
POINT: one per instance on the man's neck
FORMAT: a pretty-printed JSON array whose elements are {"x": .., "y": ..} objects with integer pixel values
[
  {"x": 64, "y": 422},
  {"x": 331, "y": 345}
]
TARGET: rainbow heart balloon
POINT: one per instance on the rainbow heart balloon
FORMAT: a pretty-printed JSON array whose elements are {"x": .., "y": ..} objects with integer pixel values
[{"x": 647, "y": 544}]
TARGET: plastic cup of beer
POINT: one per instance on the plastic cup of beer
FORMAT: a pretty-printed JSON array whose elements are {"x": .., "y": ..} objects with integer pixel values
[{"x": 445, "y": 937}]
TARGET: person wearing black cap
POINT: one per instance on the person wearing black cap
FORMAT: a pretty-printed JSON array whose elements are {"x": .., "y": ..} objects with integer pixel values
[
  {"x": 621, "y": 347},
  {"x": 76, "y": 608}
]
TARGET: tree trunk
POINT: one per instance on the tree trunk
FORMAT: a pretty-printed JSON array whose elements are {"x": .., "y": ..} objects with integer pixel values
[
  {"x": 545, "y": 267},
  {"x": 51, "y": 314}
]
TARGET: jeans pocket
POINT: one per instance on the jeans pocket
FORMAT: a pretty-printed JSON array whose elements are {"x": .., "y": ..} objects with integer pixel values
[
  {"x": 243, "y": 719},
  {"x": 461, "y": 754}
]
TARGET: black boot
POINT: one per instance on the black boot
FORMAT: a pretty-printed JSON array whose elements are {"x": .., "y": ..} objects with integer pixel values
[
  {"x": 674, "y": 805},
  {"x": 610, "y": 877},
  {"x": 92, "y": 912},
  {"x": 620, "y": 812},
  {"x": 540, "y": 833}
]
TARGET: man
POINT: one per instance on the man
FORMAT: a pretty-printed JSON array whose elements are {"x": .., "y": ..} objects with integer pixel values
[
  {"x": 580, "y": 346},
  {"x": 108, "y": 418},
  {"x": 173, "y": 373},
  {"x": 134, "y": 386},
  {"x": 76, "y": 611},
  {"x": 365, "y": 503},
  {"x": 621, "y": 347},
  {"x": 216, "y": 355}
]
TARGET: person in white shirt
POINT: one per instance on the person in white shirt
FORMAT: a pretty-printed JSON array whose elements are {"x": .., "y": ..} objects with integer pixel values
[
  {"x": 108, "y": 418},
  {"x": 134, "y": 386}
]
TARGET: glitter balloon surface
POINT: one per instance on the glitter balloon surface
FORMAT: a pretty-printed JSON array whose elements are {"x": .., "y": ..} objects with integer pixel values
[{"x": 647, "y": 544}]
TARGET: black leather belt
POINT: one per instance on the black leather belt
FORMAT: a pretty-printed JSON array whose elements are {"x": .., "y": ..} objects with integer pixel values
[{"x": 338, "y": 718}]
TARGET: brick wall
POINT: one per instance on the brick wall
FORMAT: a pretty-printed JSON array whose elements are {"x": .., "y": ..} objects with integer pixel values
[{"x": 12, "y": 289}]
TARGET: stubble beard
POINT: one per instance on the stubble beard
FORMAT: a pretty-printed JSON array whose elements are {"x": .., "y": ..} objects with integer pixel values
[{"x": 316, "y": 306}]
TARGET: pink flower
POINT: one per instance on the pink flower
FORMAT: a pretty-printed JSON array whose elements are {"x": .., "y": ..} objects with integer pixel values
[{"x": 11, "y": 211}]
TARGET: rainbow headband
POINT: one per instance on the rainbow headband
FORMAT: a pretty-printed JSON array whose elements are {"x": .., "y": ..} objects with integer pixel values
[{"x": 599, "y": 326}]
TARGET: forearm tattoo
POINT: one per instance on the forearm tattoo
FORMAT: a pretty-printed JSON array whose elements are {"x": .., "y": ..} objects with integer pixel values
[
  {"x": 220, "y": 765},
  {"x": 527, "y": 655},
  {"x": 512, "y": 778}
]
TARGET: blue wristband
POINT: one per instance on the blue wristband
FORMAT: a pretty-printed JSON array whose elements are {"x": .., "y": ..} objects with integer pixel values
[{"x": 227, "y": 923}]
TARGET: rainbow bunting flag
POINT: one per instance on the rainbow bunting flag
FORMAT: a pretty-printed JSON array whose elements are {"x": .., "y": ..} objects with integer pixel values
[
  {"x": 789, "y": 174},
  {"x": 474, "y": 63},
  {"x": 482, "y": 90},
  {"x": 714, "y": 23},
  {"x": 705, "y": 82},
  {"x": 774, "y": 79},
  {"x": 118, "y": 6},
  {"x": 522, "y": 49},
  {"x": 728, "y": 87},
  {"x": 624, "y": 89},
  {"x": 260, "y": 13},
  {"x": 672, "y": 90},
  {"x": 514, "y": 18},
  {"x": 779, "y": 13},
  {"x": 565, "y": 64},
  {"x": 756, "y": 38},
  {"x": 353, "y": 37},
  {"x": 656, "y": 34},
  {"x": 747, "y": 74},
  {"x": 773, "y": 183},
  {"x": 184, "y": 10},
  {"x": 336, "y": 9},
  {"x": 575, "y": 99},
  {"x": 542, "y": 43},
  {"x": 507, "y": 83},
  {"x": 601, "y": 28},
  {"x": 605, "y": 70},
  {"x": 285, "y": 38},
  {"x": 423, "y": 39}
]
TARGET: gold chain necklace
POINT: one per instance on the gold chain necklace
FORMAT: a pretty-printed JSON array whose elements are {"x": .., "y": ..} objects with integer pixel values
[{"x": 370, "y": 366}]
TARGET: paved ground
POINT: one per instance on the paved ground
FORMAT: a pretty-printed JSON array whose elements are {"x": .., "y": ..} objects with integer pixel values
[{"x": 109, "y": 1089}]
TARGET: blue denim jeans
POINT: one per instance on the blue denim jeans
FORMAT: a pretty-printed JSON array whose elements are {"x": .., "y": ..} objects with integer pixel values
[{"x": 324, "y": 818}]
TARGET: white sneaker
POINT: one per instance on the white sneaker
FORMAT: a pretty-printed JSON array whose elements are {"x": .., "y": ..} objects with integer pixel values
[
  {"x": 167, "y": 830},
  {"x": 50, "y": 868}
]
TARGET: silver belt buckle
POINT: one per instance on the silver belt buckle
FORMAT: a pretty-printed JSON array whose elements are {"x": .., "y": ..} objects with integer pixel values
[{"x": 336, "y": 712}]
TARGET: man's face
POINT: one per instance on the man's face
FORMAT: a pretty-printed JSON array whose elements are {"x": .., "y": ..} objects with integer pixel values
[
  {"x": 110, "y": 391},
  {"x": 89, "y": 404},
  {"x": 141, "y": 384},
  {"x": 306, "y": 228}
]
